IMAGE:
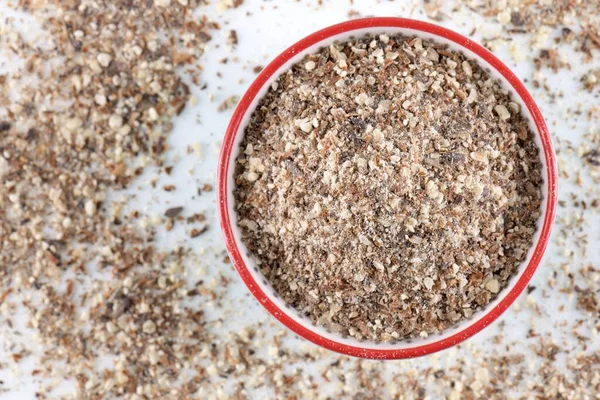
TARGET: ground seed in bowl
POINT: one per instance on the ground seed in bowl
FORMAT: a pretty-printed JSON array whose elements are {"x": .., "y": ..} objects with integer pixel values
[{"x": 388, "y": 187}]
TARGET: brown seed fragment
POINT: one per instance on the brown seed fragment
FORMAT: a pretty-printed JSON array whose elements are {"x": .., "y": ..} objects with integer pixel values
[
  {"x": 232, "y": 39},
  {"x": 197, "y": 232},
  {"x": 173, "y": 212},
  {"x": 592, "y": 157}
]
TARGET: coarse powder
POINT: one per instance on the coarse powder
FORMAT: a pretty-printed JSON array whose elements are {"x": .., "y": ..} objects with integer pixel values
[{"x": 388, "y": 187}]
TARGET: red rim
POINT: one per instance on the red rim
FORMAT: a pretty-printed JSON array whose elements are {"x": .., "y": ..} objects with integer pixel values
[{"x": 223, "y": 171}]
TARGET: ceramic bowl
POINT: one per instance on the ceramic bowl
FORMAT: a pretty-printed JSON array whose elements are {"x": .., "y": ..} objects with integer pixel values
[{"x": 247, "y": 268}]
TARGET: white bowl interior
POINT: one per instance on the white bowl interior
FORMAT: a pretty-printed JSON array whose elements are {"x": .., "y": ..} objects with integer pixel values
[{"x": 264, "y": 284}]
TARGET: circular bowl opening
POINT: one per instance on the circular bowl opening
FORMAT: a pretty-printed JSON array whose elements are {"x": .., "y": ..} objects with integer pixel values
[{"x": 247, "y": 267}]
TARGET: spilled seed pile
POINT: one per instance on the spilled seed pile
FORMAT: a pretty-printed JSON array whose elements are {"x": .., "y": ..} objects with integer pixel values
[
  {"x": 388, "y": 187},
  {"x": 90, "y": 108}
]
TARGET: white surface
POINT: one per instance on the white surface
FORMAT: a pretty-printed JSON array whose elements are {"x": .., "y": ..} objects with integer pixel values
[{"x": 271, "y": 27}]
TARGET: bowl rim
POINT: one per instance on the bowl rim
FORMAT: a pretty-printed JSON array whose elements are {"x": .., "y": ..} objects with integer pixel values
[{"x": 228, "y": 145}]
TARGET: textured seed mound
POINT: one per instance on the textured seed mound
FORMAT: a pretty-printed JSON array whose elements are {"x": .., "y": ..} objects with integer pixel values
[{"x": 388, "y": 187}]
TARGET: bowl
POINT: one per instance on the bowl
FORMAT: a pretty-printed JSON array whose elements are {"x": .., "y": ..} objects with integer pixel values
[{"x": 247, "y": 268}]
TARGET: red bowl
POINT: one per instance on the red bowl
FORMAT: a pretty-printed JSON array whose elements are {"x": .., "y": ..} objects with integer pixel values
[{"x": 258, "y": 285}]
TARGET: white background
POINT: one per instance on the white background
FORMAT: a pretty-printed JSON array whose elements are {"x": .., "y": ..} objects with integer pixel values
[{"x": 264, "y": 29}]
